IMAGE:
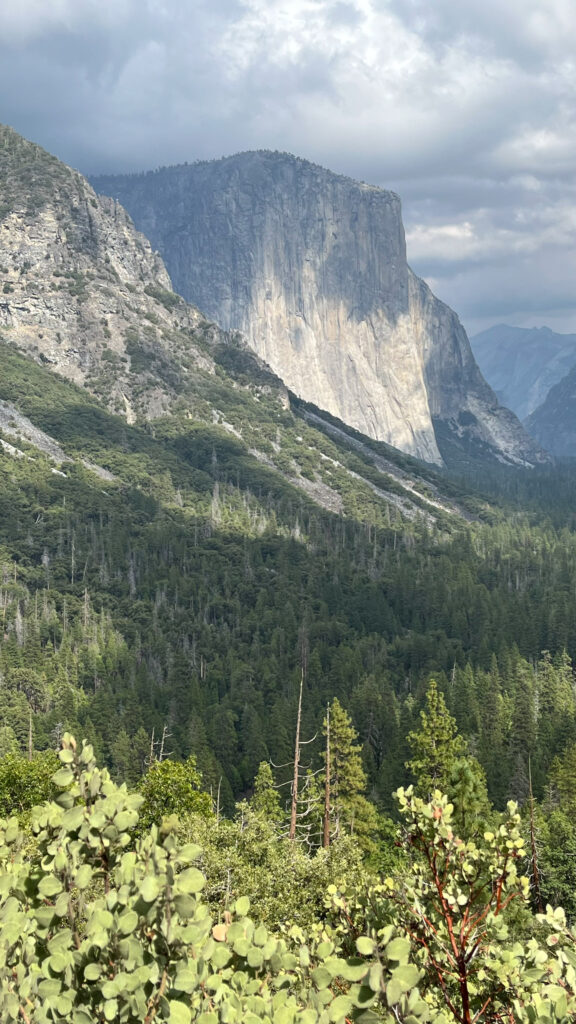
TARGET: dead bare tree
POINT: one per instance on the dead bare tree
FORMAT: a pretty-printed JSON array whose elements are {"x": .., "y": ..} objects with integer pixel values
[{"x": 326, "y": 831}]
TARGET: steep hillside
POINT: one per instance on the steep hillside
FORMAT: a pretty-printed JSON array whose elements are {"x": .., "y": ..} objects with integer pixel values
[
  {"x": 173, "y": 578},
  {"x": 311, "y": 267},
  {"x": 84, "y": 295},
  {"x": 523, "y": 364},
  {"x": 83, "y": 292}
]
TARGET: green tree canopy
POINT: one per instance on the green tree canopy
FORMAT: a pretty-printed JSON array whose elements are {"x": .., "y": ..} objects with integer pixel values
[
  {"x": 172, "y": 787},
  {"x": 350, "y": 811},
  {"x": 436, "y": 746}
]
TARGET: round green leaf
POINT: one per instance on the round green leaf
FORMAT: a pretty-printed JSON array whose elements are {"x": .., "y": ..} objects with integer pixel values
[
  {"x": 242, "y": 906},
  {"x": 83, "y": 877},
  {"x": 185, "y": 904},
  {"x": 49, "y": 886},
  {"x": 221, "y": 956},
  {"x": 398, "y": 949},
  {"x": 185, "y": 980},
  {"x": 255, "y": 957},
  {"x": 149, "y": 889},
  {"x": 179, "y": 1013},
  {"x": 339, "y": 1008},
  {"x": 408, "y": 975},
  {"x": 365, "y": 945},
  {"x": 190, "y": 852},
  {"x": 63, "y": 777},
  {"x": 375, "y": 977},
  {"x": 321, "y": 977},
  {"x": 190, "y": 880},
  {"x": 127, "y": 922},
  {"x": 58, "y": 963},
  {"x": 110, "y": 1009}
]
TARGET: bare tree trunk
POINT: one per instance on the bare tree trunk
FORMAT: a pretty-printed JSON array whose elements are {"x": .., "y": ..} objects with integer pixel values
[
  {"x": 165, "y": 736},
  {"x": 218, "y": 801},
  {"x": 293, "y": 811},
  {"x": 326, "y": 838},
  {"x": 533, "y": 850}
]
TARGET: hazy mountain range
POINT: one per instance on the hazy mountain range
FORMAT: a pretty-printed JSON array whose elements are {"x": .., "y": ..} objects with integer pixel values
[{"x": 530, "y": 370}]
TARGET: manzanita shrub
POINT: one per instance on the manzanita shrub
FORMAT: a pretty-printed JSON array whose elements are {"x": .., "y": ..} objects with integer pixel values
[
  {"x": 99, "y": 925},
  {"x": 102, "y": 926},
  {"x": 450, "y": 913}
]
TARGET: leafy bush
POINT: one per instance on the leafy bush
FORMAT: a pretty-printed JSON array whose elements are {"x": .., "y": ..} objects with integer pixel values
[{"x": 98, "y": 926}]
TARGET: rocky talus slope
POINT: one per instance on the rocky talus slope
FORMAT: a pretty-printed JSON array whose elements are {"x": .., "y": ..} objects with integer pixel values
[{"x": 311, "y": 267}]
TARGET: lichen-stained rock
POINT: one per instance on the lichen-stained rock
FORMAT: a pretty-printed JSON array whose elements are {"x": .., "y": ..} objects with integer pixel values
[{"x": 311, "y": 267}]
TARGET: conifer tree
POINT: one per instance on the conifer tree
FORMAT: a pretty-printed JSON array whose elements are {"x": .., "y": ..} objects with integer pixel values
[
  {"x": 265, "y": 799},
  {"x": 350, "y": 811},
  {"x": 436, "y": 746},
  {"x": 440, "y": 762}
]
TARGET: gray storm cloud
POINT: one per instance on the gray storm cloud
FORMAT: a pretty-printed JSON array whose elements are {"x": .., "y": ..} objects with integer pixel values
[{"x": 467, "y": 110}]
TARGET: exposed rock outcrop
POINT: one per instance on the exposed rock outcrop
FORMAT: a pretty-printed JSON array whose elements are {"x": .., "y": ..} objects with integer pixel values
[
  {"x": 311, "y": 267},
  {"x": 81, "y": 289}
]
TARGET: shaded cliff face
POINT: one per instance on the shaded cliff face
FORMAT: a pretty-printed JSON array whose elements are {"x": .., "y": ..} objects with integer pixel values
[
  {"x": 522, "y": 364},
  {"x": 311, "y": 267},
  {"x": 553, "y": 423}
]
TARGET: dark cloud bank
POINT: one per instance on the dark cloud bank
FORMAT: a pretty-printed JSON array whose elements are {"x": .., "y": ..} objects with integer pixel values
[{"x": 467, "y": 110}]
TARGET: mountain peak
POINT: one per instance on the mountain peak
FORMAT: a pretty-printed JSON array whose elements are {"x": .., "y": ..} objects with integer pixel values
[
  {"x": 311, "y": 267},
  {"x": 523, "y": 363}
]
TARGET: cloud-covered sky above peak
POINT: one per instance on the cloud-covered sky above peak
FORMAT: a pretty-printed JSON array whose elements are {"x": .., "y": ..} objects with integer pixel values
[{"x": 467, "y": 109}]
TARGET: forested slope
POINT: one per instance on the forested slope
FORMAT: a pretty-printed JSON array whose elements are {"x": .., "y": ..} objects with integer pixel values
[{"x": 186, "y": 590}]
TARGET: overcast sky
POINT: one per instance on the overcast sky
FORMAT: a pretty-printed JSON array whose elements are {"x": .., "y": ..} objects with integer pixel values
[{"x": 466, "y": 108}]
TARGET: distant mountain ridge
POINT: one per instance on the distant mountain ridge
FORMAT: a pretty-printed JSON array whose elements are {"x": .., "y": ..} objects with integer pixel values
[
  {"x": 523, "y": 364},
  {"x": 311, "y": 267},
  {"x": 553, "y": 423}
]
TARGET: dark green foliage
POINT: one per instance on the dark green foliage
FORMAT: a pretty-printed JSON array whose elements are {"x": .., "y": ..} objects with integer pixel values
[
  {"x": 251, "y": 856},
  {"x": 173, "y": 595},
  {"x": 350, "y": 812},
  {"x": 168, "y": 299},
  {"x": 265, "y": 800},
  {"x": 436, "y": 747}
]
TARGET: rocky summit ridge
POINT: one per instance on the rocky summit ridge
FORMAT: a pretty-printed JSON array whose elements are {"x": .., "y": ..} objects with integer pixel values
[
  {"x": 82, "y": 291},
  {"x": 311, "y": 267}
]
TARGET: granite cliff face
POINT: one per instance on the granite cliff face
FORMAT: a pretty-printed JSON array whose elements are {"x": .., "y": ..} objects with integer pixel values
[
  {"x": 311, "y": 267},
  {"x": 82, "y": 291}
]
